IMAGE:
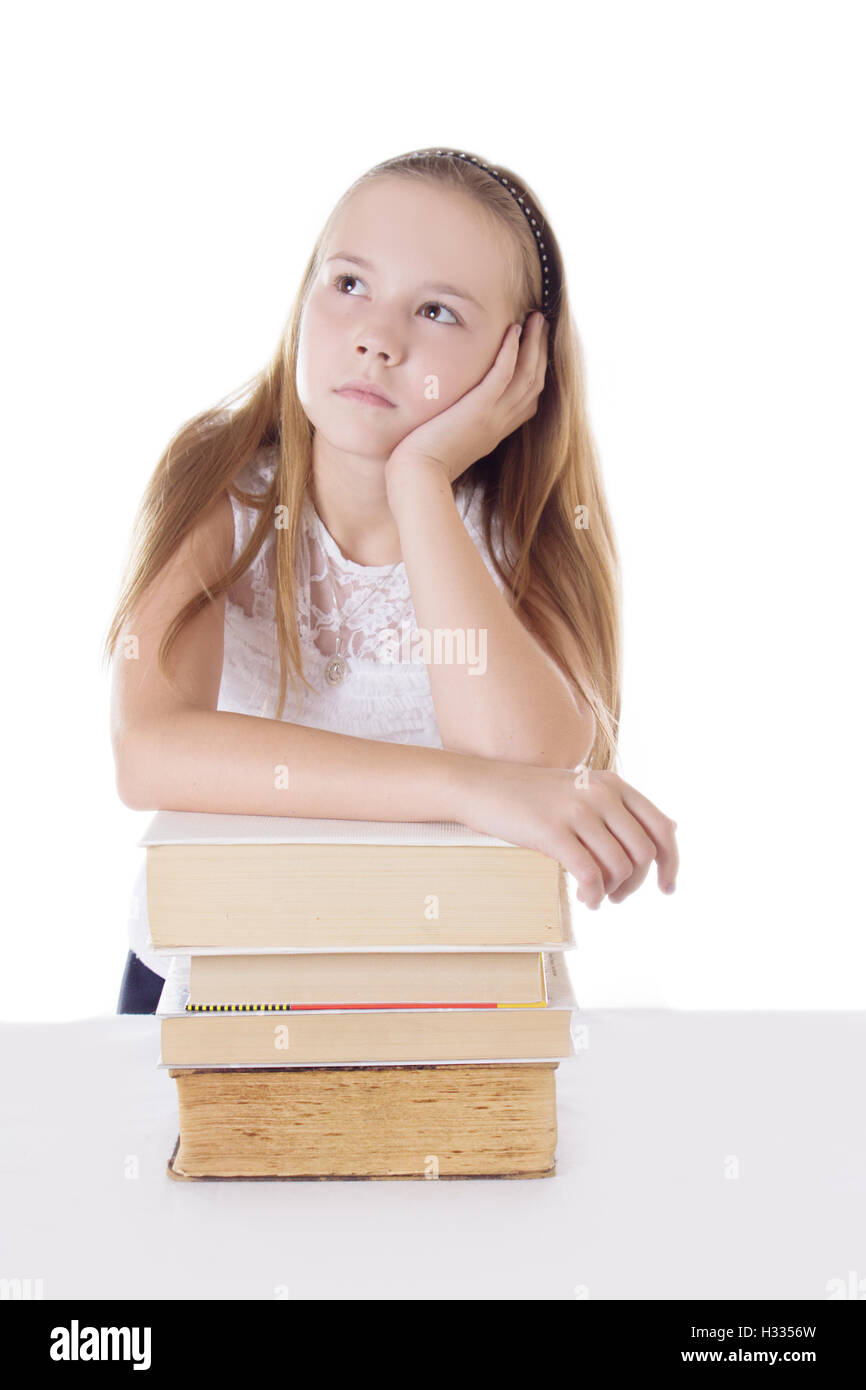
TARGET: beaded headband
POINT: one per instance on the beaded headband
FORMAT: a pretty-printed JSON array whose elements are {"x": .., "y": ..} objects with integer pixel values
[{"x": 479, "y": 164}]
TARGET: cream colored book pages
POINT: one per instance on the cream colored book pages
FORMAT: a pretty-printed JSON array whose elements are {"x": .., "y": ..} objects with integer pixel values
[
  {"x": 367, "y": 1037},
  {"x": 320, "y": 947},
  {"x": 372, "y": 977},
  {"x": 565, "y": 932},
  {"x": 175, "y": 993},
  {"x": 291, "y": 894},
  {"x": 207, "y": 828}
]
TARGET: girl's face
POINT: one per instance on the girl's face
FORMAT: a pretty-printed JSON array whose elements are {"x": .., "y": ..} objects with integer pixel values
[{"x": 413, "y": 295}]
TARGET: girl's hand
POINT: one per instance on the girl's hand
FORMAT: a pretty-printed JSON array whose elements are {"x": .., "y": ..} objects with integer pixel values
[
  {"x": 474, "y": 424},
  {"x": 604, "y": 833}
]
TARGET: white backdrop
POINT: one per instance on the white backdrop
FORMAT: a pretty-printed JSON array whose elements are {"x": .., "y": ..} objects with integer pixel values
[{"x": 167, "y": 169}]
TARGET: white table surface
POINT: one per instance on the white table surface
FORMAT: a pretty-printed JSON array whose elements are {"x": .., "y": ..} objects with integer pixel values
[{"x": 717, "y": 1155}]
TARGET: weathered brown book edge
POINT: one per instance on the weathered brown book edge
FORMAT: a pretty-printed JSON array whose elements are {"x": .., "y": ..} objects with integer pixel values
[
  {"x": 353, "y": 1177},
  {"x": 178, "y": 1176}
]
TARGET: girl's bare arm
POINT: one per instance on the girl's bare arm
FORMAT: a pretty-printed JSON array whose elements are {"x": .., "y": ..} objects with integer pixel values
[
  {"x": 497, "y": 694},
  {"x": 215, "y": 760}
]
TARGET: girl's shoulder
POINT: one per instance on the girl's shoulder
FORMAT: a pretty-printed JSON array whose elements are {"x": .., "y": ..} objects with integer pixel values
[
  {"x": 257, "y": 474},
  {"x": 253, "y": 479}
]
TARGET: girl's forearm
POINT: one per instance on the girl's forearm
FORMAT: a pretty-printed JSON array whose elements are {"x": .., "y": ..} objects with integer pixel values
[
  {"x": 515, "y": 704},
  {"x": 219, "y": 761}
]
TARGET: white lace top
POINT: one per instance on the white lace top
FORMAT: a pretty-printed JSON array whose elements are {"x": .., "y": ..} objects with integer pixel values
[{"x": 380, "y": 698}]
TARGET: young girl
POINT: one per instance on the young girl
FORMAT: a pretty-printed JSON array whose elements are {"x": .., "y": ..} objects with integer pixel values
[{"x": 405, "y": 515}]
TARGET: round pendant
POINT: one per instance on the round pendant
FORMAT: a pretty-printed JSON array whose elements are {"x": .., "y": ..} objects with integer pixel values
[{"x": 335, "y": 670}]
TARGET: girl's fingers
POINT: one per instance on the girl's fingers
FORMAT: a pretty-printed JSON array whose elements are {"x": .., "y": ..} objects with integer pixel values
[
  {"x": 635, "y": 844},
  {"x": 661, "y": 830},
  {"x": 614, "y": 861},
  {"x": 610, "y": 851},
  {"x": 541, "y": 353},
  {"x": 538, "y": 367},
  {"x": 641, "y": 851},
  {"x": 514, "y": 382},
  {"x": 500, "y": 377},
  {"x": 529, "y": 374},
  {"x": 577, "y": 860},
  {"x": 527, "y": 368}
]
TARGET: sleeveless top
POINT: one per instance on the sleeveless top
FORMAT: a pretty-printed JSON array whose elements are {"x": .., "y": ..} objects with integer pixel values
[{"x": 385, "y": 695}]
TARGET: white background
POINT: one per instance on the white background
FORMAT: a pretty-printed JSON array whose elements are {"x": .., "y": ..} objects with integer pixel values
[{"x": 166, "y": 171}]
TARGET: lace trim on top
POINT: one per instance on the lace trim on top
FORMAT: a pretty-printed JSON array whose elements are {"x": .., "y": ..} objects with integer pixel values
[{"x": 371, "y": 599}]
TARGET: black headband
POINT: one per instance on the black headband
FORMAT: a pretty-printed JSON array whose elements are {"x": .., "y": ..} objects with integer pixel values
[{"x": 479, "y": 164}]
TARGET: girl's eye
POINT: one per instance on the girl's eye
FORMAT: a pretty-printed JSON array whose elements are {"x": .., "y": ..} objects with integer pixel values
[
  {"x": 436, "y": 305},
  {"x": 346, "y": 276},
  {"x": 432, "y": 304}
]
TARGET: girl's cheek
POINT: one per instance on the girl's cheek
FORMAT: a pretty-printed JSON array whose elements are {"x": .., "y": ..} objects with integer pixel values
[
  {"x": 447, "y": 380},
  {"x": 316, "y": 343}
]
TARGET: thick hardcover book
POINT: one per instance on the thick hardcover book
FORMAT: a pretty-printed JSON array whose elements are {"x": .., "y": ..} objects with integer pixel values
[
  {"x": 376, "y": 1123},
  {"x": 275, "y": 883}
]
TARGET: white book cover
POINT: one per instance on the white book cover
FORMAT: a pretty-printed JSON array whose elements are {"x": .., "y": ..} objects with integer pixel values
[{"x": 208, "y": 828}]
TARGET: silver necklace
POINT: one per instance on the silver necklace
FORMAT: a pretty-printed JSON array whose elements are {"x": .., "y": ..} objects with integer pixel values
[{"x": 336, "y": 667}]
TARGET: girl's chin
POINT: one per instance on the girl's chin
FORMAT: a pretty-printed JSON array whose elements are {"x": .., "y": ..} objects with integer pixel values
[{"x": 359, "y": 442}]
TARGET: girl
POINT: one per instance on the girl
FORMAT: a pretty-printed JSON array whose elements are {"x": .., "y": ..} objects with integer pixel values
[{"x": 406, "y": 510}]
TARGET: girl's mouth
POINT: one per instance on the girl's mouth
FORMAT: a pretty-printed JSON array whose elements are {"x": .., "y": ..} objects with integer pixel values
[{"x": 364, "y": 393}]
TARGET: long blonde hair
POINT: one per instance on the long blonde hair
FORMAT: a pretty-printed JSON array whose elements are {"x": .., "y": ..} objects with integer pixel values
[{"x": 541, "y": 480}]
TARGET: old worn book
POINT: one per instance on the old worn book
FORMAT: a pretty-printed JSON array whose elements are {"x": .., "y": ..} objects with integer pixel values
[
  {"x": 302, "y": 979},
  {"x": 259, "y": 883},
  {"x": 342, "y": 1036},
  {"x": 369, "y": 1122}
]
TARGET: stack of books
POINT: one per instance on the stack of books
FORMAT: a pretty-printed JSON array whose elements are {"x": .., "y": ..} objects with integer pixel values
[{"x": 358, "y": 999}]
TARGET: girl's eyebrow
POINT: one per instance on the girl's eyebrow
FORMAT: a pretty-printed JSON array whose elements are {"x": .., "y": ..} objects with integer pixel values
[{"x": 437, "y": 289}]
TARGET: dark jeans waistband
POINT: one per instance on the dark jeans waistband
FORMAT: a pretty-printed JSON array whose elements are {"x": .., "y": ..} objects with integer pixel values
[{"x": 140, "y": 987}]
